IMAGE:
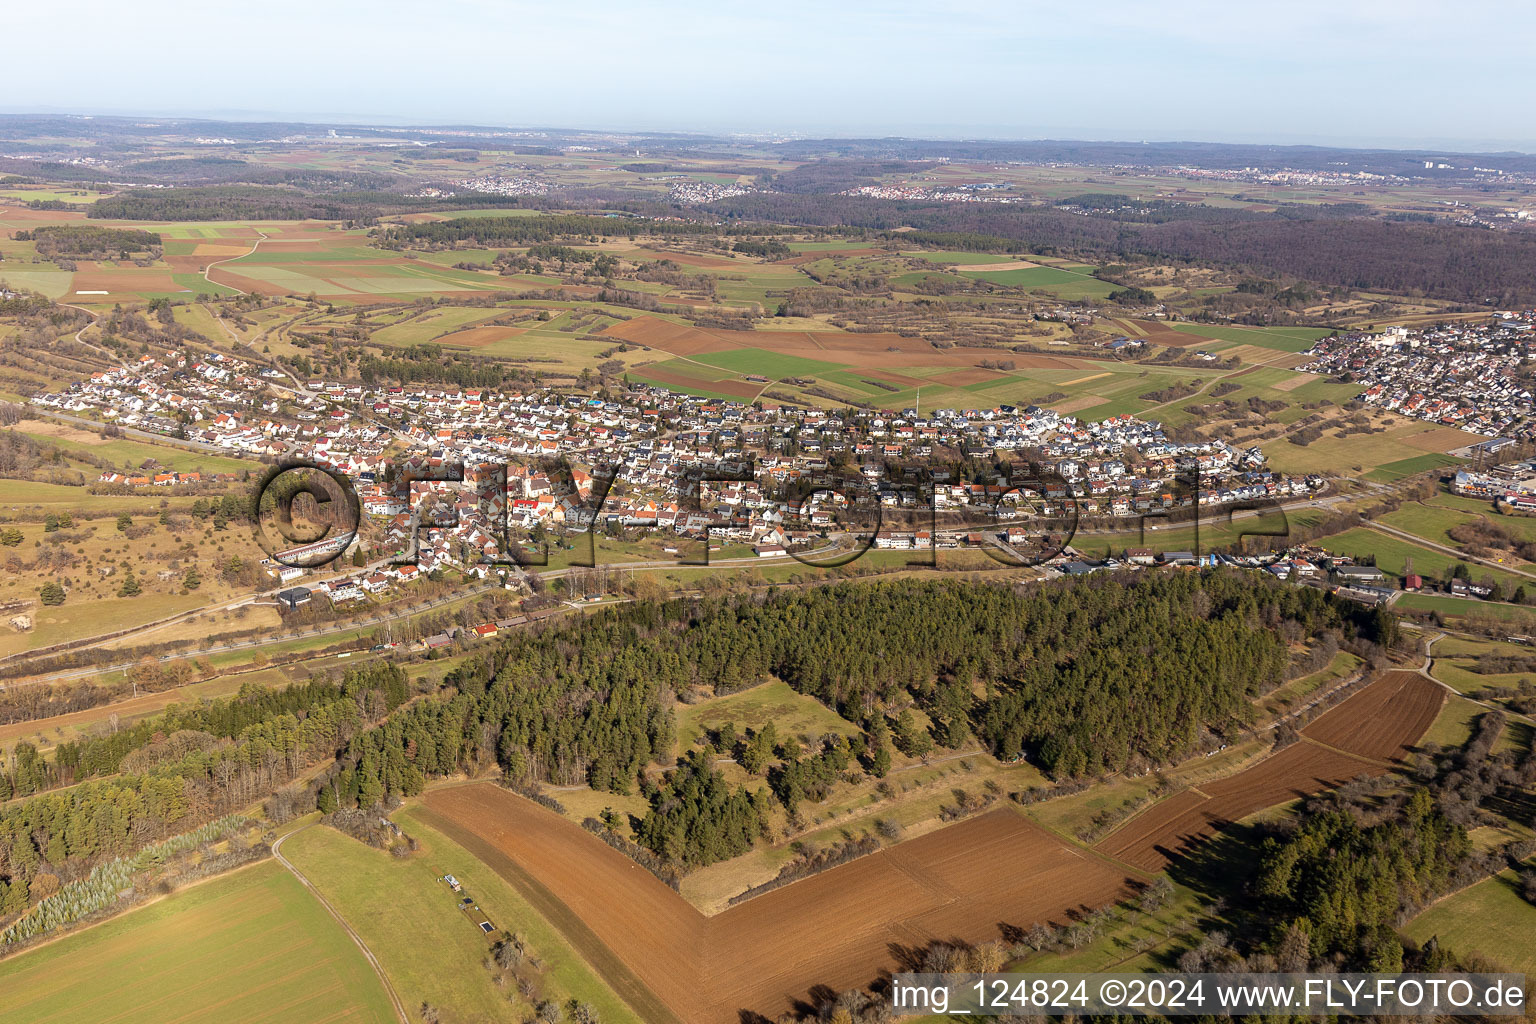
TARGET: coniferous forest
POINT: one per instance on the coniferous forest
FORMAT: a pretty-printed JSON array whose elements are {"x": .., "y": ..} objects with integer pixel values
[{"x": 1080, "y": 678}]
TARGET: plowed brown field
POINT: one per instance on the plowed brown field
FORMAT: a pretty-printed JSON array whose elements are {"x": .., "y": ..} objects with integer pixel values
[
  {"x": 1384, "y": 719},
  {"x": 837, "y": 928},
  {"x": 479, "y": 337},
  {"x": 738, "y": 388},
  {"x": 1152, "y": 839},
  {"x": 858, "y": 351},
  {"x": 840, "y": 928},
  {"x": 1378, "y": 723}
]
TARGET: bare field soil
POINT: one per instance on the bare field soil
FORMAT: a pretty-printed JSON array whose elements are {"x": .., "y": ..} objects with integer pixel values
[
  {"x": 693, "y": 260},
  {"x": 1159, "y": 333},
  {"x": 837, "y": 929},
  {"x": 479, "y": 337},
  {"x": 1292, "y": 383},
  {"x": 125, "y": 280},
  {"x": 1384, "y": 720},
  {"x": 19, "y": 213},
  {"x": 1268, "y": 357},
  {"x": 1357, "y": 737},
  {"x": 1169, "y": 828},
  {"x": 741, "y": 389},
  {"x": 678, "y": 339},
  {"x": 1442, "y": 439},
  {"x": 857, "y": 351},
  {"x": 841, "y": 928}
]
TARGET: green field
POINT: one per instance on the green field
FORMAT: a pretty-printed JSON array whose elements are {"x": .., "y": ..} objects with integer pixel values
[
  {"x": 252, "y": 946},
  {"x": 964, "y": 259},
  {"x": 433, "y": 324},
  {"x": 131, "y": 453},
  {"x": 792, "y": 714},
  {"x": 1454, "y": 725},
  {"x": 1390, "y": 472},
  {"x": 1283, "y": 339},
  {"x": 1490, "y": 918},
  {"x": 768, "y": 364},
  {"x": 1392, "y": 554},
  {"x": 431, "y": 951},
  {"x": 1432, "y": 522},
  {"x": 1460, "y": 607},
  {"x": 1356, "y": 453}
]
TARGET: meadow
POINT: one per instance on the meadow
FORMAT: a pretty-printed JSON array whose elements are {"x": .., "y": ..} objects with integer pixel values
[
  {"x": 792, "y": 714},
  {"x": 1490, "y": 919},
  {"x": 251, "y": 945},
  {"x": 430, "y": 950},
  {"x": 1392, "y": 554}
]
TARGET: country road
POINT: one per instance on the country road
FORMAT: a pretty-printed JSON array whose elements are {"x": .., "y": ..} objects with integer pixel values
[
  {"x": 1462, "y": 555},
  {"x": 257, "y": 642},
  {"x": 254, "y": 643},
  {"x": 389, "y": 988},
  {"x": 1427, "y": 671},
  {"x": 19, "y": 660},
  {"x": 231, "y": 259}
]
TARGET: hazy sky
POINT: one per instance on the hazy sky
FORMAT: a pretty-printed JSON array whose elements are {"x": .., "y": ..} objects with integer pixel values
[{"x": 1398, "y": 72}]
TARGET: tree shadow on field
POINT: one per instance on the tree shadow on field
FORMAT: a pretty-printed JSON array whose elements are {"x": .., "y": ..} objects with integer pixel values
[{"x": 1220, "y": 872}]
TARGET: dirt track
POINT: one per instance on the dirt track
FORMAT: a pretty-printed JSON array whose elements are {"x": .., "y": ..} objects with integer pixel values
[{"x": 842, "y": 928}]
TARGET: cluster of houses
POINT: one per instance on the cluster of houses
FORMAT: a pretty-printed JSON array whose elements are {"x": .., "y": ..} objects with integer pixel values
[
  {"x": 1512, "y": 486},
  {"x": 491, "y": 465},
  {"x": 1464, "y": 374},
  {"x": 1306, "y": 565},
  {"x": 166, "y": 478}
]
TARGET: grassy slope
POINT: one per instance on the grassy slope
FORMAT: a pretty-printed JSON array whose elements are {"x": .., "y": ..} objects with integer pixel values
[
  {"x": 430, "y": 950},
  {"x": 1489, "y": 918},
  {"x": 251, "y": 946}
]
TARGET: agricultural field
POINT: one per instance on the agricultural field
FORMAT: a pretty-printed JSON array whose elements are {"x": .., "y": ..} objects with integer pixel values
[
  {"x": 1286, "y": 698},
  {"x": 1399, "y": 444},
  {"x": 758, "y": 955},
  {"x": 1508, "y": 616},
  {"x": 101, "y": 558},
  {"x": 129, "y": 453},
  {"x": 565, "y": 873},
  {"x": 252, "y": 945},
  {"x": 1357, "y": 737},
  {"x": 1490, "y": 919},
  {"x": 1392, "y": 554},
  {"x": 429, "y": 949},
  {"x": 801, "y": 317}
]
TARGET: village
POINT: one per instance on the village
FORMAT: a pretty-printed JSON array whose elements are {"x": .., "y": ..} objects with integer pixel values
[
  {"x": 1468, "y": 374},
  {"x": 477, "y": 482},
  {"x": 652, "y": 440}
]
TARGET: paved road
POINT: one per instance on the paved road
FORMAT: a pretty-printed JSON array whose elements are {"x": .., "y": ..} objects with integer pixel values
[
  {"x": 343, "y": 627},
  {"x": 256, "y": 642},
  {"x": 389, "y": 988},
  {"x": 1421, "y": 542},
  {"x": 1425, "y": 671}
]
